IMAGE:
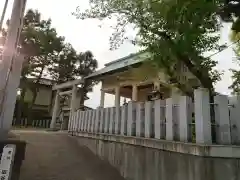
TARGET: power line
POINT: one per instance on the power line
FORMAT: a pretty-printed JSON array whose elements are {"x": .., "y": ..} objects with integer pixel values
[{"x": 223, "y": 49}]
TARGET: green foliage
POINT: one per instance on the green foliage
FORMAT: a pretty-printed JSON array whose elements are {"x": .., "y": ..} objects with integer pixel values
[
  {"x": 47, "y": 53},
  {"x": 86, "y": 64},
  {"x": 175, "y": 32},
  {"x": 230, "y": 12},
  {"x": 63, "y": 64},
  {"x": 235, "y": 86}
]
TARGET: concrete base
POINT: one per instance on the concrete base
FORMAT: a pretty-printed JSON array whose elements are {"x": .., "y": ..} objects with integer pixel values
[
  {"x": 19, "y": 155},
  {"x": 3, "y": 134},
  {"x": 53, "y": 129},
  {"x": 145, "y": 159}
]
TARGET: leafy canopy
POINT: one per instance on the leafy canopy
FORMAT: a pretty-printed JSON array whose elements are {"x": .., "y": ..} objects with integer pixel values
[
  {"x": 175, "y": 32},
  {"x": 46, "y": 53}
]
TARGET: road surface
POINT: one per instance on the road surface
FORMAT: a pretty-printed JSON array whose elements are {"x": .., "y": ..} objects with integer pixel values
[{"x": 56, "y": 156}]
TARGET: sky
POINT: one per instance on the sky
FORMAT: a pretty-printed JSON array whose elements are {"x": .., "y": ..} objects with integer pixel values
[{"x": 87, "y": 35}]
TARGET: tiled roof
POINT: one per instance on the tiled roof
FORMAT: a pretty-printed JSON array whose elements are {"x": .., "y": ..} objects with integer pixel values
[{"x": 121, "y": 63}]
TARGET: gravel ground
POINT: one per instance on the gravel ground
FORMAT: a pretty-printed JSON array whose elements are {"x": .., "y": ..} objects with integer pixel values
[{"x": 55, "y": 156}]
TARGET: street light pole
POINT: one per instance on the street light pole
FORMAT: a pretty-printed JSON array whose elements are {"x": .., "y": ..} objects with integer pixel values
[{"x": 10, "y": 68}]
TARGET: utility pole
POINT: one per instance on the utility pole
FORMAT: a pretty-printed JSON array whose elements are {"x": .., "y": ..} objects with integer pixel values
[
  {"x": 10, "y": 68},
  {"x": 3, "y": 14}
]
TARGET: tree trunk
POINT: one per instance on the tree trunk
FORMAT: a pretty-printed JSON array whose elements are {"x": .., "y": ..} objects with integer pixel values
[
  {"x": 20, "y": 107},
  {"x": 35, "y": 92},
  {"x": 29, "y": 118}
]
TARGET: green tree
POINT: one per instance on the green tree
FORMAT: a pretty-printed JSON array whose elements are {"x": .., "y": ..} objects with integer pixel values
[
  {"x": 39, "y": 43},
  {"x": 63, "y": 65},
  {"x": 230, "y": 12},
  {"x": 175, "y": 32},
  {"x": 235, "y": 86},
  {"x": 86, "y": 65},
  {"x": 49, "y": 44},
  {"x": 27, "y": 46}
]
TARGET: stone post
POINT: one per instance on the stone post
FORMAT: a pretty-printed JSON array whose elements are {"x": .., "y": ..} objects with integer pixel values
[
  {"x": 102, "y": 120},
  {"x": 73, "y": 99},
  {"x": 93, "y": 120},
  {"x": 90, "y": 113},
  {"x": 97, "y": 120},
  {"x": 85, "y": 121},
  {"x": 185, "y": 114},
  {"x": 55, "y": 111},
  {"x": 140, "y": 119},
  {"x": 222, "y": 119},
  {"x": 107, "y": 120},
  {"x": 112, "y": 120},
  {"x": 117, "y": 105},
  {"x": 124, "y": 119},
  {"x": 131, "y": 120},
  {"x": 81, "y": 120},
  {"x": 169, "y": 119},
  {"x": 159, "y": 121},
  {"x": 202, "y": 116},
  {"x": 148, "y": 119},
  {"x": 234, "y": 119}
]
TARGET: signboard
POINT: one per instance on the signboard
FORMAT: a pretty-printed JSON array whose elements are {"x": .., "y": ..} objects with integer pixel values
[{"x": 6, "y": 162}]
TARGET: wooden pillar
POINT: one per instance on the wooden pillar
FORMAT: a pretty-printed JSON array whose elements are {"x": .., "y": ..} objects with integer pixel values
[
  {"x": 134, "y": 92},
  {"x": 102, "y": 98}
]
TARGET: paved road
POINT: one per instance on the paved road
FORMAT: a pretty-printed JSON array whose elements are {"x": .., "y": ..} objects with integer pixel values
[{"x": 55, "y": 156}]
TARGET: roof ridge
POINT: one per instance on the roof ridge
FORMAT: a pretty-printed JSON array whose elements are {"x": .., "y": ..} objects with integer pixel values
[{"x": 123, "y": 58}]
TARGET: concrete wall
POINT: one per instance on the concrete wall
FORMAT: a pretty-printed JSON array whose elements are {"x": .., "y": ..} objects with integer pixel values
[{"x": 149, "y": 159}]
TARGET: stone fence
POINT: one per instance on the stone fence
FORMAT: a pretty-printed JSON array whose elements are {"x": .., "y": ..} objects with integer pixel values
[
  {"x": 174, "y": 119},
  {"x": 36, "y": 123}
]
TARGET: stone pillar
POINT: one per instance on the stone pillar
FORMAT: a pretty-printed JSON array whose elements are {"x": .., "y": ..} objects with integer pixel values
[
  {"x": 117, "y": 105},
  {"x": 131, "y": 119},
  {"x": 169, "y": 119},
  {"x": 112, "y": 120},
  {"x": 97, "y": 120},
  {"x": 124, "y": 119},
  {"x": 159, "y": 118},
  {"x": 73, "y": 99},
  {"x": 134, "y": 92},
  {"x": 202, "y": 116},
  {"x": 107, "y": 120},
  {"x": 55, "y": 110},
  {"x": 234, "y": 119},
  {"x": 149, "y": 119},
  {"x": 185, "y": 114},
  {"x": 102, "y": 98},
  {"x": 93, "y": 120},
  {"x": 102, "y": 120},
  {"x": 140, "y": 119},
  {"x": 223, "y": 130}
]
